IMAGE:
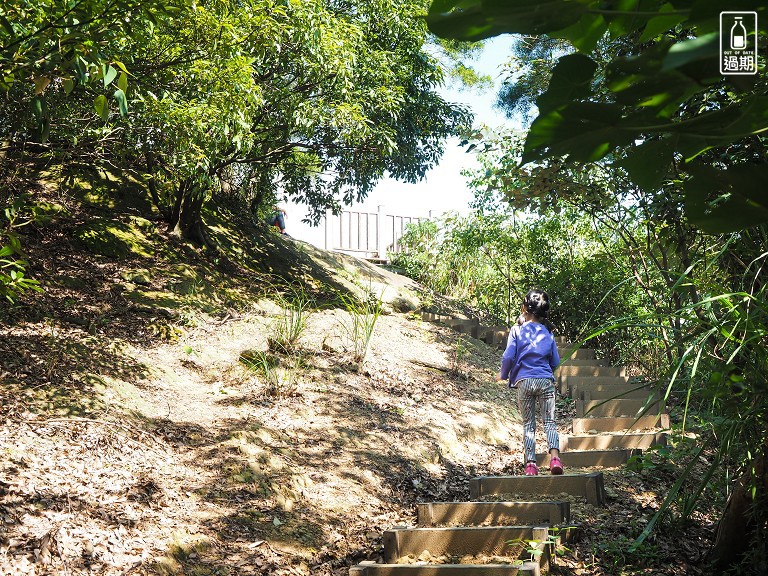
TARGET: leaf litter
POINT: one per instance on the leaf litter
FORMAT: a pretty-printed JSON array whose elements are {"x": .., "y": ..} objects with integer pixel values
[{"x": 129, "y": 450}]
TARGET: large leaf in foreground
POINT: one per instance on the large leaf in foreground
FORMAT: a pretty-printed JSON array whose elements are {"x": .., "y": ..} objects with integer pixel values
[{"x": 718, "y": 201}]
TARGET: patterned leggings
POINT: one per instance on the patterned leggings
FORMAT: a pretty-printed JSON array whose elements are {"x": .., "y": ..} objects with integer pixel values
[{"x": 529, "y": 391}]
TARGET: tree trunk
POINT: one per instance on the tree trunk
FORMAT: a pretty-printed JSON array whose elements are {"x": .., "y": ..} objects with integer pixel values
[
  {"x": 261, "y": 191},
  {"x": 742, "y": 517},
  {"x": 187, "y": 216},
  {"x": 152, "y": 185}
]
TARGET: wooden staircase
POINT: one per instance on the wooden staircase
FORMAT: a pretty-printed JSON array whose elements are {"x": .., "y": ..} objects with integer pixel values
[{"x": 616, "y": 420}]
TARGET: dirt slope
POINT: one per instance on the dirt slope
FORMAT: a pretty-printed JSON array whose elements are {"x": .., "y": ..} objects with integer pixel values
[{"x": 134, "y": 440}]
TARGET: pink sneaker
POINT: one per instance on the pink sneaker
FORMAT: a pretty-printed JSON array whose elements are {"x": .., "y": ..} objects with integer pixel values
[
  {"x": 531, "y": 469},
  {"x": 555, "y": 466}
]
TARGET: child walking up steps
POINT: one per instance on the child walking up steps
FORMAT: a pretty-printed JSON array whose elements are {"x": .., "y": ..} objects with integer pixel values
[{"x": 528, "y": 364}]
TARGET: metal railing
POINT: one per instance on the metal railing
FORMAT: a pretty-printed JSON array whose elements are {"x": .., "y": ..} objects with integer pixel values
[{"x": 369, "y": 235}]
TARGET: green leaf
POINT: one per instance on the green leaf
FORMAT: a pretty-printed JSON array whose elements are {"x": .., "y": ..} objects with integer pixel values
[
  {"x": 109, "y": 75},
  {"x": 41, "y": 83},
  {"x": 122, "y": 102},
  {"x": 583, "y": 131},
  {"x": 625, "y": 20},
  {"x": 649, "y": 163},
  {"x": 719, "y": 201},
  {"x": 571, "y": 80},
  {"x": 662, "y": 91},
  {"x": 81, "y": 67},
  {"x": 122, "y": 82},
  {"x": 121, "y": 66},
  {"x": 479, "y": 19},
  {"x": 661, "y": 23},
  {"x": 749, "y": 118},
  {"x": 445, "y": 6},
  {"x": 7, "y": 25},
  {"x": 38, "y": 108},
  {"x": 584, "y": 34},
  {"x": 45, "y": 130},
  {"x": 102, "y": 107},
  {"x": 69, "y": 85},
  {"x": 705, "y": 47}
]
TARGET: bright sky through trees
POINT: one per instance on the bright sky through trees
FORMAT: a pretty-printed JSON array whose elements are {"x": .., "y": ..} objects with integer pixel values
[{"x": 444, "y": 188}]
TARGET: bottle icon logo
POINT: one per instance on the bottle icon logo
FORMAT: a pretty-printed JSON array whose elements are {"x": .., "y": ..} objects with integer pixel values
[
  {"x": 738, "y": 35},
  {"x": 738, "y": 43}
]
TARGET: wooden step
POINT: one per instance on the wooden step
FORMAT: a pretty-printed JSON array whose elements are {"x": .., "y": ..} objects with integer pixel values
[
  {"x": 588, "y": 486},
  {"x": 568, "y": 383},
  {"x": 565, "y": 374},
  {"x": 591, "y": 371},
  {"x": 526, "y": 569},
  {"x": 578, "y": 354},
  {"x": 458, "y": 541},
  {"x": 643, "y": 440},
  {"x": 461, "y": 325},
  {"x": 589, "y": 362},
  {"x": 494, "y": 336},
  {"x": 434, "y": 317},
  {"x": 584, "y": 425},
  {"x": 590, "y": 458},
  {"x": 631, "y": 392},
  {"x": 615, "y": 408},
  {"x": 492, "y": 513},
  {"x": 580, "y": 381}
]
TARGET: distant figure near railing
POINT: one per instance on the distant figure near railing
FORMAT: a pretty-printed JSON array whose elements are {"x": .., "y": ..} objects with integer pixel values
[{"x": 369, "y": 235}]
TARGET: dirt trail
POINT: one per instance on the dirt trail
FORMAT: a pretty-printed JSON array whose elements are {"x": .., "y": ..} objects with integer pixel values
[{"x": 194, "y": 468}]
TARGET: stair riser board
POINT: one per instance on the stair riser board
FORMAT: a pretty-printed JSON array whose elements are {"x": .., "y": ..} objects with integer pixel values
[
  {"x": 591, "y": 458},
  {"x": 584, "y": 363},
  {"x": 527, "y": 569},
  {"x": 459, "y": 541},
  {"x": 611, "y": 441},
  {"x": 493, "y": 513},
  {"x": 580, "y": 354},
  {"x": 584, "y": 425},
  {"x": 601, "y": 392},
  {"x": 496, "y": 338},
  {"x": 591, "y": 371},
  {"x": 615, "y": 408},
  {"x": 588, "y": 486},
  {"x": 567, "y": 383},
  {"x": 433, "y": 317},
  {"x": 459, "y": 325}
]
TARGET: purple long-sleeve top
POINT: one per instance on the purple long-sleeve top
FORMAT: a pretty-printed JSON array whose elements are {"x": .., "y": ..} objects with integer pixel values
[{"x": 531, "y": 353}]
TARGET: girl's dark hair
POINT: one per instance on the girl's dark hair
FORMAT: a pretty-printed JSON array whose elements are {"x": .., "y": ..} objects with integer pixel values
[{"x": 536, "y": 302}]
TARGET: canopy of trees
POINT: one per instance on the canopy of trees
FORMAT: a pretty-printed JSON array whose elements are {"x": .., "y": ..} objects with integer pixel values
[
  {"x": 313, "y": 100},
  {"x": 645, "y": 84}
]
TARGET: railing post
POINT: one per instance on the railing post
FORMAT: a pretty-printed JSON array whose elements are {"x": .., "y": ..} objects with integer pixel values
[
  {"x": 328, "y": 229},
  {"x": 379, "y": 214}
]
